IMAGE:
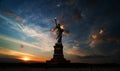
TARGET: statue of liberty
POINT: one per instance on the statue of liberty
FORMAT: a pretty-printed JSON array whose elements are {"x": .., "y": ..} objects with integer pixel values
[
  {"x": 60, "y": 30},
  {"x": 58, "y": 56}
]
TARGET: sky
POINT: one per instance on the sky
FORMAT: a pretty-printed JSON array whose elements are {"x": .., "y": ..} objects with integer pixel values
[{"x": 93, "y": 25}]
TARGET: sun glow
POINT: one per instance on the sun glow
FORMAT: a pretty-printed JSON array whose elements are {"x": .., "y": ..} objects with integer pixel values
[
  {"x": 62, "y": 26},
  {"x": 25, "y": 59},
  {"x": 94, "y": 36},
  {"x": 33, "y": 59}
]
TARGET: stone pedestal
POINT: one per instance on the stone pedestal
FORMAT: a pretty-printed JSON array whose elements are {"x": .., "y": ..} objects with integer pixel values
[{"x": 58, "y": 56}]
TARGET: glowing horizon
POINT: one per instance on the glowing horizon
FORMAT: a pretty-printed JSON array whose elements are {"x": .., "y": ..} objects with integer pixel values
[{"x": 91, "y": 29}]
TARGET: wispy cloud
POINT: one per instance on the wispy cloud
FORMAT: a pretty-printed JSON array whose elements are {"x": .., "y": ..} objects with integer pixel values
[
  {"x": 75, "y": 51},
  {"x": 7, "y": 12},
  {"x": 18, "y": 55},
  {"x": 18, "y": 41},
  {"x": 10, "y": 13},
  {"x": 42, "y": 35},
  {"x": 12, "y": 24}
]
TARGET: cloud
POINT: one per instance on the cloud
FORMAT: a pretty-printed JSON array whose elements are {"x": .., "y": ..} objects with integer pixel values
[
  {"x": 98, "y": 59},
  {"x": 17, "y": 18},
  {"x": 104, "y": 44},
  {"x": 75, "y": 51},
  {"x": 10, "y": 13},
  {"x": 18, "y": 41},
  {"x": 102, "y": 36},
  {"x": 12, "y": 52},
  {"x": 71, "y": 2},
  {"x": 76, "y": 16},
  {"x": 18, "y": 55},
  {"x": 101, "y": 31},
  {"x": 92, "y": 44},
  {"x": 7, "y": 12},
  {"x": 42, "y": 35},
  {"x": 11, "y": 23}
]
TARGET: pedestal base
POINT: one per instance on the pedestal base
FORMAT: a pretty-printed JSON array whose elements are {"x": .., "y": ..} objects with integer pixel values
[
  {"x": 58, "y": 56},
  {"x": 58, "y": 61}
]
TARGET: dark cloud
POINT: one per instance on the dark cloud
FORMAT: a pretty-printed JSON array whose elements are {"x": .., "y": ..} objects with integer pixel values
[
  {"x": 91, "y": 3},
  {"x": 7, "y": 12},
  {"x": 8, "y": 59},
  {"x": 98, "y": 59},
  {"x": 106, "y": 48},
  {"x": 105, "y": 44},
  {"x": 71, "y": 2},
  {"x": 76, "y": 16}
]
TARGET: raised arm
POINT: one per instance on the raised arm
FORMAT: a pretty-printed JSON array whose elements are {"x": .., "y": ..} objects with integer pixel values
[{"x": 56, "y": 21}]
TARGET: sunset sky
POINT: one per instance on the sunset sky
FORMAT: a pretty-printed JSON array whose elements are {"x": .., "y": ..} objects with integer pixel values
[{"x": 25, "y": 30}]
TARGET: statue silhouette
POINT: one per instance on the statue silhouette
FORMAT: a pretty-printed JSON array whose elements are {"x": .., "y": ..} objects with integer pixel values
[
  {"x": 58, "y": 56},
  {"x": 59, "y": 32}
]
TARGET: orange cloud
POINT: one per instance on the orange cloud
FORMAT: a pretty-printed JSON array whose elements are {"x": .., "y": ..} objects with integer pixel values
[
  {"x": 19, "y": 55},
  {"x": 92, "y": 44},
  {"x": 23, "y": 20},
  {"x": 54, "y": 31},
  {"x": 17, "y": 18},
  {"x": 102, "y": 37},
  {"x": 94, "y": 36},
  {"x": 12, "y": 14},
  {"x": 101, "y": 31},
  {"x": 66, "y": 32}
]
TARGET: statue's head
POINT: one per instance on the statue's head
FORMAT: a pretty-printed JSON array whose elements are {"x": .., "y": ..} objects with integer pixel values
[{"x": 58, "y": 24}]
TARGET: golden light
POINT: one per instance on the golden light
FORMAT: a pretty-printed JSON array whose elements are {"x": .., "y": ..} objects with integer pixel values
[
  {"x": 94, "y": 36},
  {"x": 101, "y": 31},
  {"x": 29, "y": 59},
  {"x": 25, "y": 59},
  {"x": 17, "y": 18},
  {"x": 62, "y": 26},
  {"x": 23, "y": 20},
  {"x": 54, "y": 31}
]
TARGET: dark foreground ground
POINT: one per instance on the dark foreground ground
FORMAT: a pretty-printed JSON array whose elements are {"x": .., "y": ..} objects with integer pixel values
[{"x": 58, "y": 67}]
